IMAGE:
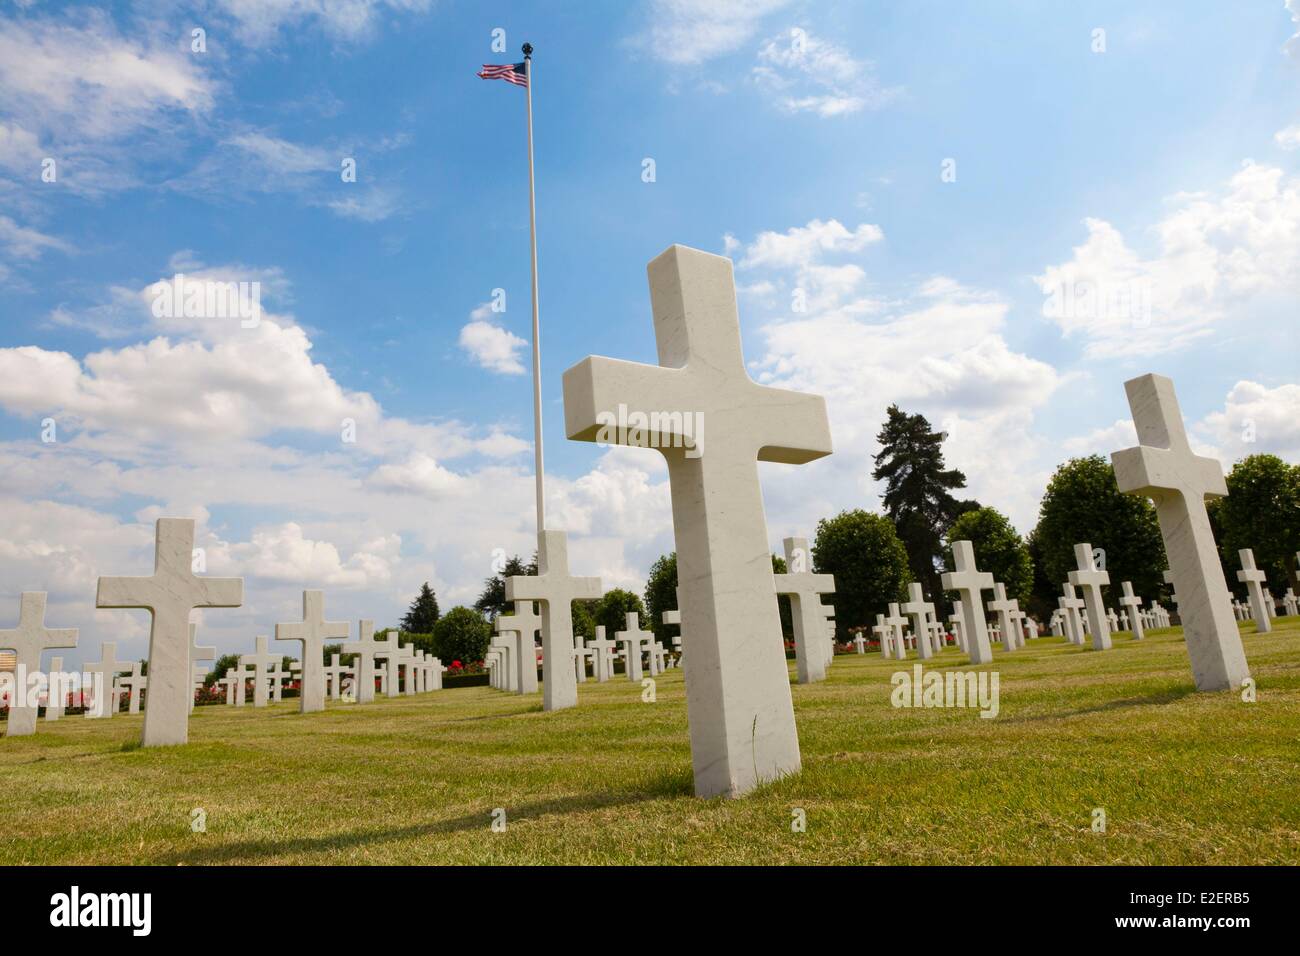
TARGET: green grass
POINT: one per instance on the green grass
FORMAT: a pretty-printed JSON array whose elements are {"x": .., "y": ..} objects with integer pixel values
[{"x": 1184, "y": 778}]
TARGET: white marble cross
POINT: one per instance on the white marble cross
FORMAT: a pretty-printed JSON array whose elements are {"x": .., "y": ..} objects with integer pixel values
[
  {"x": 1288, "y": 600},
  {"x": 604, "y": 650},
  {"x": 883, "y": 633},
  {"x": 27, "y": 641},
  {"x": 860, "y": 642},
  {"x": 556, "y": 590},
  {"x": 390, "y": 651},
  {"x": 1071, "y": 608},
  {"x": 198, "y": 652},
  {"x": 634, "y": 640},
  {"x": 229, "y": 682},
  {"x": 260, "y": 661},
  {"x": 278, "y": 675},
  {"x": 581, "y": 654},
  {"x": 1131, "y": 603},
  {"x": 312, "y": 632},
  {"x": 170, "y": 594},
  {"x": 1255, "y": 581},
  {"x": 955, "y": 620},
  {"x": 335, "y": 672},
  {"x": 242, "y": 675},
  {"x": 56, "y": 699},
  {"x": 133, "y": 683},
  {"x": 523, "y": 624},
  {"x": 897, "y": 622},
  {"x": 1091, "y": 580},
  {"x": 507, "y": 670},
  {"x": 364, "y": 647},
  {"x": 1003, "y": 607},
  {"x": 969, "y": 582},
  {"x": 1163, "y": 468},
  {"x": 919, "y": 610},
  {"x": 739, "y": 703},
  {"x": 105, "y": 669},
  {"x": 805, "y": 590},
  {"x": 674, "y": 617}
]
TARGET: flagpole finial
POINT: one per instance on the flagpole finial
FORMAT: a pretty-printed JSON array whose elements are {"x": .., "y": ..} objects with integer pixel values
[{"x": 528, "y": 51}]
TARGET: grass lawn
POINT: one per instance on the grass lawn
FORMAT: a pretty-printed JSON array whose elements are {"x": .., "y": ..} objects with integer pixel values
[{"x": 1183, "y": 777}]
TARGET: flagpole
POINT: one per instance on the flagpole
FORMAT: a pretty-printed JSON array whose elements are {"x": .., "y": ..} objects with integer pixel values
[{"x": 537, "y": 335}]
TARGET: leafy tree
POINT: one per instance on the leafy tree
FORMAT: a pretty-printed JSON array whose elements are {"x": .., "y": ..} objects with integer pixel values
[
  {"x": 1082, "y": 503},
  {"x": 1042, "y": 598},
  {"x": 917, "y": 491},
  {"x": 462, "y": 634},
  {"x": 582, "y": 615},
  {"x": 1261, "y": 512},
  {"x": 783, "y": 602},
  {"x": 423, "y": 612},
  {"x": 223, "y": 664},
  {"x": 998, "y": 548},
  {"x": 492, "y": 602},
  {"x": 661, "y": 595},
  {"x": 329, "y": 650},
  {"x": 869, "y": 562},
  {"x": 612, "y": 610}
]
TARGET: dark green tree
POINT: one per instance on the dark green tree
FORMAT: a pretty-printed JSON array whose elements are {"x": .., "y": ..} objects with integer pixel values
[
  {"x": 661, "y": 595},
  {"x": 612, "y": 610},
  {"x": 462, "y": 634},
  {"x": 1082, "y": 503},
  {"x": 869, "y": 563},
  {"x": 783, "y": 603},
  {"x": 1261, "y": 512},
  {"x": 917, "y": 495},
  {"x": 582, "y": 616},
  {"x": 223, "y": 664},
  {"x": 423, "y": 612},
  {"x": 492, "y": 602},
  {"x": 998, "y": 549}
]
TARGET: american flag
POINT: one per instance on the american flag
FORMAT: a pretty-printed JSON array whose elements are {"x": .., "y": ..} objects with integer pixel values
[{"x": 510, "y": 72}]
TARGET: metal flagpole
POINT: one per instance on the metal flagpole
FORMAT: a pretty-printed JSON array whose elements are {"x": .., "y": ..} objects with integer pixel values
[{"x": 537, "y": 339}]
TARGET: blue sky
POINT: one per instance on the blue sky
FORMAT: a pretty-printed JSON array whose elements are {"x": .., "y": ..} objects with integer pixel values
[{"x": 1157, "y": 159}]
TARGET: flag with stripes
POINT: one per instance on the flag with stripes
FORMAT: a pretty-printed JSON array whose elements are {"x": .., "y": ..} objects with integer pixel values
[{"x": 510, "y": 72}]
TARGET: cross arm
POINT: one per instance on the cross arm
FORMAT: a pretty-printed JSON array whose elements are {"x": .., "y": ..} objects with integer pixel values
[
  {"x": 795, "y": 428},
  {"x": 596, "y": 386}
]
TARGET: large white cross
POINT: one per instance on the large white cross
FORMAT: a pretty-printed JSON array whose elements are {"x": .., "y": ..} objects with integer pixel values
[
  {"x": 805, "y": 590},
  {"x": 969, "y": 582},
  {"x": 897, "y": 622},
  {"x": 364, "y": 647},
  {"x": 604, "y": 660},
  {"x": 1255, "y": 581},
  {"x": 170, "y": 595},
  {"x": 312, "y": 632},
  {"x": 581, "y": 654},
  {"x": 106, "y": 669},
  {"x": 259, "y": 661},
  {"x": 1090, "y": 580},
  {"x": 1003, "y": 608},
  {"x": 739, "y": 704},
  {"x": 556, "y": 590},
  {"x": 27, "y": 641},
  {"x": 919, "y": 610},
  {"x": 523, "y": 624},
  {"x": 882, "y": 633},
  {"x": 635, "y": 640},
  {"x": 133, "y": 683},
  {"x": 1163, "y": 468},
  {"x": 1131, "y": 603}
]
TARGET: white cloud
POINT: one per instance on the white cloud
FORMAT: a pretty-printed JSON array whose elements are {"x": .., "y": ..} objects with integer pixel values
[
  {"x": 694, "y": 31},
  {"x": 1102, "y": 441},
  {"x": 799, "y": 246},
  {"x": 420, "y": 474},
  {"x": 284, "y": 554},
  {"x": 260, "y": 21},
  {"x": 490, "y": 346},
  {"x": 1292, "y": 46},
  {"x": 24, "y": 243},
  {"x": 1288, "y": 138},
  {"x": 1216, "y": 253},
  {"x": 806, "y": 74},
  {"x": 1255, "y": 419}
]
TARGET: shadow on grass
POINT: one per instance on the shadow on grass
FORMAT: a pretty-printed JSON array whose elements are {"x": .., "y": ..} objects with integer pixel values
[
  {"x": 1148, "y": 700},
  {"x": 667, "y": 784}
]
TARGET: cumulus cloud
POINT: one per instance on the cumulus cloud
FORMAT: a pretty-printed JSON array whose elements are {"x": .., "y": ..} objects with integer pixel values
[
  {"x": 695, "y": 31},
  {"x": 259, "y": 22},
  {"x": 1216, "y": 253},
  {"x": 1288, "y": 138},
  {"x": 491, "y": 346},
  {"x": 1255, "y": 419}
]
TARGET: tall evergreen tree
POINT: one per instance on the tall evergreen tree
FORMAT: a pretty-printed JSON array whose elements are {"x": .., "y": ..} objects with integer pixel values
[
  {"x": 423, "y": 612},
  {"x": 917, "y": 491},
  {"x": 492, "y": 602}
]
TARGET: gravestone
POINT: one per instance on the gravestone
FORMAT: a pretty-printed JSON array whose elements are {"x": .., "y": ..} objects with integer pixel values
[
  {"x": 1163, "y": 468},
  {"x": 364, "y": 647},
  {"x": 57, "y": 697},
  {"x": 919, "y": 610},
  {"x": 242, "y": 675},
  {"x": 205, "y": 652},
  {"x": 883, "y": 633},
  {"x": 170, "y": 594},
  {"x": 390, "y": 652},
  {"x": 739, "y": 704},
  {"x": 805, "y": 589},
  {"x": 633, "y": 640},
  {"x": 1003, "y": 607},
  {"x": 673, "y": 617},
  {"x": 860, "y": 643},
  {"x": 556, "y": 590},
  {"x": 28, "y": 640},
  {"x": 311, "y": 633},
  {"x": 507, "y": 648},
  {"x": 1054, "y": 623},
  {"x": 1255, "y": 581},
  {"x": 229, "y": 682},
  {"x": 1289, "y": 601},
  {"x": 523, "y": 623},
  {"x": 604, "y": 651},
  {"x": 1090, "y": 579},
  {"x": 581, "y": 654},
  {"x": 1072, "y": 608},
  {"x": 278, "y": 675},
  {"x": 897, "y": 622},
  {"x": 100, "y": 677},
  {"x": 260, "y": 661},
  {"x": 1131, "y": 603},
  {"x": 969, "y": 583},
  {"x": 335, "y": 674},
  {"x": 1112, "y": 620},
  {"x": 133, "y": 683}
]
